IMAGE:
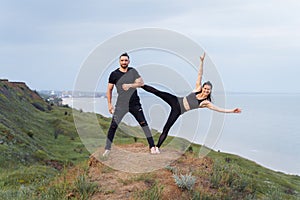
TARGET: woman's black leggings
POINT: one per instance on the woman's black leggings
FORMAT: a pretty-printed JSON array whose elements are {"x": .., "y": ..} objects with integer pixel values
[{"x": 172, "y": 100}]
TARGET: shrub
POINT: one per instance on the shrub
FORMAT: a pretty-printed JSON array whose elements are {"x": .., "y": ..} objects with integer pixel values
[
  {"x": 171, "y": 169},
  {"x": 185, "y": 181},
  {"x": 274, "y": 193},
  {"x": 84, "y": 187},
  {"x": 190, "y": 149},
  {"x": 53, "y": 192},
  {"x": 40, "y": 154},
  {"x": 38, "y": 106},
  {"x": 202, "y": 196},
  {"x": 217, "y": 174},
  {"x": 154, "y": 193},
  {"x": 30, "y": 133}
]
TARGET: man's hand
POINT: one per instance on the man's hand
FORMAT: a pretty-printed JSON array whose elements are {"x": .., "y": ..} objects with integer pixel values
[
  {"x": 111, "y": 109},
  {"x": 137, "y": 83},
  {"x": 126, "y": 86}
]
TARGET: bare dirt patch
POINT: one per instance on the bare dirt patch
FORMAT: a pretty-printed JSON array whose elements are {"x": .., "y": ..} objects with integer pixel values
[{"x": 117, "y": 178}]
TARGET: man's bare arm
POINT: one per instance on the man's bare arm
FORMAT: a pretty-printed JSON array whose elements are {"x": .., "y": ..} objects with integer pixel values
[
  {"x": 139, "y": 82},
  {"x": 110, "y": 88}
]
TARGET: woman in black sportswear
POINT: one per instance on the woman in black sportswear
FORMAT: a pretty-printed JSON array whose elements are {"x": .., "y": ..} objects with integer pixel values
[{"x": 200, "y": 97}]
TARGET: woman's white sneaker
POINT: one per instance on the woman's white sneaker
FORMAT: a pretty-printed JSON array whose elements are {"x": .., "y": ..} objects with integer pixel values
[
  {"x": 153, "y": 150},
  {"x": 157, "y": 150}
]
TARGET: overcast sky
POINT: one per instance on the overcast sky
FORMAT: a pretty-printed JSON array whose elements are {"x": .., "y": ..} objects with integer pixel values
[{"x": 254, "y": 44}]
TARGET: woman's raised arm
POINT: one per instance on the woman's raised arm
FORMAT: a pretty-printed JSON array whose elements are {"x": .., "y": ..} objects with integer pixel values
[{"x": 200, "y": 73}]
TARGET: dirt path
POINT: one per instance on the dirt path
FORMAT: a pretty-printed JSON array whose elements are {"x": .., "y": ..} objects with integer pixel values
[
  {"x": 136, "y": 158},
  {"x": 130, "y": 170}
]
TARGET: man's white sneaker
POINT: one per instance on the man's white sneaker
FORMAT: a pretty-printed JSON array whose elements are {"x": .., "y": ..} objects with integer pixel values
[{"x": 106, "y": 153}]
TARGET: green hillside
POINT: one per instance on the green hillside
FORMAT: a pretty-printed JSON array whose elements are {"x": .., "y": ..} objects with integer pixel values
[
  {"x": 37, "y": 140},
  {"x": 42, "y": 157}
]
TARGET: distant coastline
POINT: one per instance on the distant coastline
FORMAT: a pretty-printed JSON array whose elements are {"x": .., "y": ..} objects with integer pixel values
[{"x": 84, "y": 94}]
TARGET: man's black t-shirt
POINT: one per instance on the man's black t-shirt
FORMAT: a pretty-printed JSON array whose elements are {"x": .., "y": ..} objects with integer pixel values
[{"x": 118, "y": 78}]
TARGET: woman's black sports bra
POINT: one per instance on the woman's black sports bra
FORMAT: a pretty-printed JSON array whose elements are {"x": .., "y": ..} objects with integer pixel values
[{"x": 194, "y": 103}]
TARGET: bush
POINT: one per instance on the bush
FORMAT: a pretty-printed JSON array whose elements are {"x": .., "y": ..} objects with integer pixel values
[
  {"x": 84, "y": 187},
  {"x": 185, "y": 181},
  {"x": 171, "y": 169},
  {"x": 274, "y": 193},
  {"x": 40, "y": 155},
  {"x": 190, "y": 149},
  {"x": 154, "y": 193},
  {"x": 38, "y": 106},
  {"x": 217, "y": 174},
  {"x": 30, "y": 133}
]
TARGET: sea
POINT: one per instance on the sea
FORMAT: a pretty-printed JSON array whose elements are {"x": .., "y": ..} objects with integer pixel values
[{"x": 266, "y": 132}]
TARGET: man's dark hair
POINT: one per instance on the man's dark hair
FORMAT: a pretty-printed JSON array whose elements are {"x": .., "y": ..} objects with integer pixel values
[{"x": 124, "y": 54}]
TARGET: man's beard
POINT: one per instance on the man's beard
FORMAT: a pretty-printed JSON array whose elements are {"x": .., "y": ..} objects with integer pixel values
[{"x": 124, "y": 66}]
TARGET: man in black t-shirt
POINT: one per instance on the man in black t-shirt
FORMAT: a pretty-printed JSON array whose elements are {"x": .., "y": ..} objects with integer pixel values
[{"x": 126, "y": 79}]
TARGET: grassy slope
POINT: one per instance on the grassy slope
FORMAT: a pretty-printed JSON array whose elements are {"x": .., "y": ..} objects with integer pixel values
[
  {"x": 34, "y": 164},
  {"x": 30, "y": 155},
  {"x": 267, "y": 184}
]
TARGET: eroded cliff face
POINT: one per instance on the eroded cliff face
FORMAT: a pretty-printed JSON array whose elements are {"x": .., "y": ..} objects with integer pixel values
[{"x": 8, "y": 88}]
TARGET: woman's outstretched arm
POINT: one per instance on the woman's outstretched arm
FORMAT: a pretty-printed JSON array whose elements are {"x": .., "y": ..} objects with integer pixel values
[
  {"x": 200, "y": 73},
  {"x": 211, "y": 106}
]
